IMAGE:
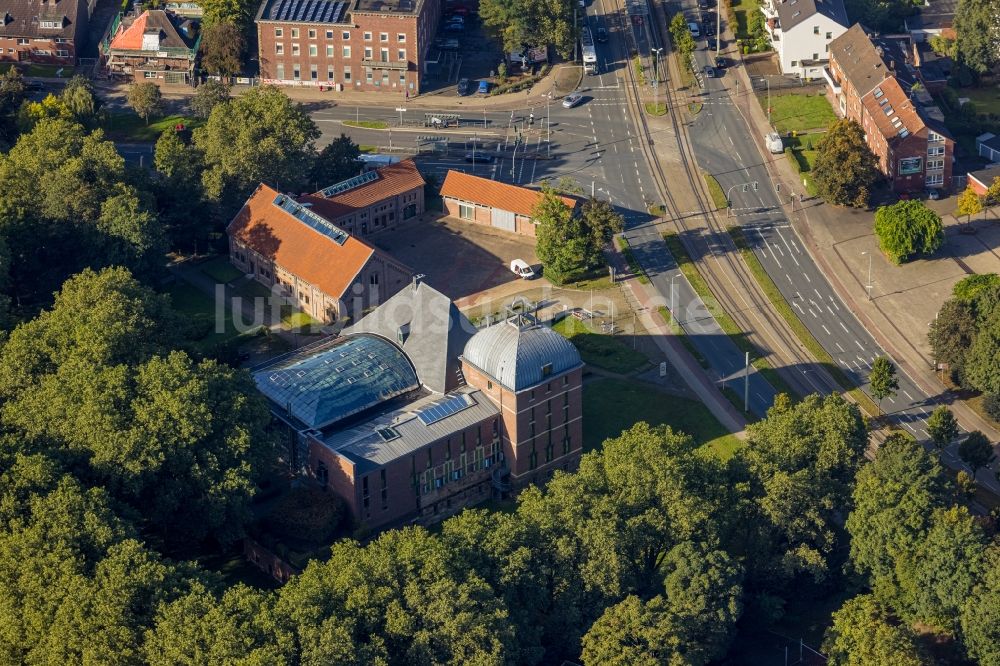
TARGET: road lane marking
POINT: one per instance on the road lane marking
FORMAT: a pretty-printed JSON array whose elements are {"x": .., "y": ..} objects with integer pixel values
[
  {"x": 806, "y": 276},
  {"x": 842, "y": 351},
  {"x": 860, "y": 346},
  {"x": 799, "y": 308},
  {"x": 834, "y": 301},
  {"x": 907, "y": 394},
  {"x": 831, "y": 311},
  {"x": 826, "y": 329},
  {"x": 843, "y": 327}
]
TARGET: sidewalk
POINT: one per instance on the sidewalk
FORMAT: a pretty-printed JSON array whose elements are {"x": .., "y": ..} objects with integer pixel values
[
  {"x": 906, "y": 298},
  {"x": 560, "y": 81}
]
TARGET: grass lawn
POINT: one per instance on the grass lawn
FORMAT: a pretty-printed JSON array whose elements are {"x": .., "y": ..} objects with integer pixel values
[
  {"x": 633, "y": 263},
  {"x": 602, "y": 351},
  {"x": 295, "y": 319},
  {"x": 43, "y": 71},
  {"x": 741, "y": 9},
  {"x": 798, "y": 113},
  {"x": 985, "y": 99},
  {"x": 715, "y": 191},
  {"x": 130, "y": 127},
  {"x": 803, "y": 161},
  {"x": 367, "y": 124},
  {"x": 199, "y": 309},
  {"x": 220, "y": 270},
  {"x": 612, "y": 405},
  {"x": 658, "y": 109},
  {"x": 695, "y": 108}
]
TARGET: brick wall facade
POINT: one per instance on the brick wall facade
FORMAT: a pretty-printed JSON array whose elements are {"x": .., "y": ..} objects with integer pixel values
[
  {"x": 523, "y": 225},
  {"x": 384, "y": 215},
  {"x": 371, "y": 51}
]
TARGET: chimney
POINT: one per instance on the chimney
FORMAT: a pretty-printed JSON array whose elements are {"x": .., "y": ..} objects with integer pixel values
[{"x": 417, "y": 279}]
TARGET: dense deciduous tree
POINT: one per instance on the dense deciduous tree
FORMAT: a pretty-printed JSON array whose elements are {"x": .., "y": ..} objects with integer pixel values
[
  {"x": 942, "y": 427},
  {"x": 845, "y": 170},
  {"x": 207, "y": 96},
  {"x": 864, "y": 634},
  {"x": 260, "y": 136},
  {"x": 562, "y": 242},
  {"x": 968, "y": 203},
  {"x": 520, "y": 23},
  {"x": 602, "y": 220},
  {"x": 81, "y": 100},
  {"x": 179, "y": 193},
  {"x": 908, "y": 228},
  {"x": 982, "y": 361},
  {"x": 12, "y": 92},
  {"x": 339, "y": 160},
  {"x": 952, "y": 332},
  {"x": 222, "y": 47},
  {"x": 980, "y": 620},
  {"x": 882, "y": 379},
  {"x": 978, "y": 33},
  {"x": 976, "y": 451},
  {"x": 145, "y": 98}
]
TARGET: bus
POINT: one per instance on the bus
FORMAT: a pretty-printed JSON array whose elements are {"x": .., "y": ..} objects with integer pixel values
[{"x": 588, "y": 50}]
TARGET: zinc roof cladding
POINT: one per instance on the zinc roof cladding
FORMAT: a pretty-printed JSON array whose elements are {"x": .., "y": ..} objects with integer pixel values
[
  {"x": 321, "y": 387},
  {"x": 21, "y": 18},
  {"x": 393, "y": 180},
  {"x": 129, "y": 37},
  {"x": 517, "y": 356},
  {"x": 362, "y": 444},
  {"x": 486, "y": 192},
  {"x": 793, "y": 12},
  {"x": 312, "y": 256},
  {"x": 435, "y": 334}
]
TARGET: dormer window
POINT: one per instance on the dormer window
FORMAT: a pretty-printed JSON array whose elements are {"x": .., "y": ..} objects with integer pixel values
[{"x": 54, "y": 25}]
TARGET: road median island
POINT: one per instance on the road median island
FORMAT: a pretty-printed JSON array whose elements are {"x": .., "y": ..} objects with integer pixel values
[
  {"x": 715, "y": 191},
  {"x": 722, "y": 318},
  {"x": 633, "y": 263},
  {"x": 367, "y": 124},
  {"x": 808, "y": 340}
]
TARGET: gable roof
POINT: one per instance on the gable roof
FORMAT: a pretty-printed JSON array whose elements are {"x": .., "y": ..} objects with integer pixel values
[
  {"x": 985, "y": 176},
  {"x": 892, "y": 111},
  {"x": 434, "y": 332},
  {"x": 494, "y": 194},
  {"x": 22, "y": 18},
  {"x": 388, "y": 181},
  {"x": 793, "y": 12},
  {"x": 129, "y": 36},
  {"x": 271, "y": 231}
]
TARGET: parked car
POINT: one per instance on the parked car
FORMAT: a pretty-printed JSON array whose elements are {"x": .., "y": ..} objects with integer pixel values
[
  {"x": 456, "y": 19},
  {"x": 463, "y": 87},
  {"x": 710, "y": 27},
  {"x": 602, "y": 35},
  {"x": 712, "y": 43},
  {"x": 695, "y": 30},
  {"x": 483, "y": 158},
  {"x": 521, "y": 269},
  {"x": 484, "y": 88},
  {"x": 460, "y": 11},
  {"x": 933, "y": 194},
  {"x": 571, "y": 100},
  {"x": 709, "y": 72},
  {"x": 450, "y": 45},
  {"x": 774, "y": 143},
  {"x": 454, "y": 27},
  {"x": 702, "y": 5},
  {"x": 720, "y": 62}
]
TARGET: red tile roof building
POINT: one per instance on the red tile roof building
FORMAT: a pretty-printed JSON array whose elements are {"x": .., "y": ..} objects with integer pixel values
[
  {"x": 870, "y": 82},
  {"x": 492, "y": 203},
  {"x": 307, "y": 259},
  {"x": 153, "y": 46},
  {"x": 43, "y": 31}
]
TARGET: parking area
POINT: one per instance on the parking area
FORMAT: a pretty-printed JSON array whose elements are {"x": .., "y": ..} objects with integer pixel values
[
  {"x": 459, "y": 259},
  {"x": 462, "y": 49}
]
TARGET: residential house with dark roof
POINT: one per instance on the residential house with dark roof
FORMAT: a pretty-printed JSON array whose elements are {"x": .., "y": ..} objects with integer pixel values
[
  {"x": 934, "y": 18},
  {"x": 43, "y": 31},
  {"x": 414, "y": 415},
  {"x": 154, "y": 46},
  {"x": 980, "y": 181},
  {"x": 368, "y": 45},
  {"x": 870, "y": 80},
  {"x": 492, "y": 203},
  {"x": 801, "y": 31}
]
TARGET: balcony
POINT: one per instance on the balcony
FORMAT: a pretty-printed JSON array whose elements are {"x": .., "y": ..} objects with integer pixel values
[
  {"x": 769, "y": 10},
  {"x": 831, "y": 82},
  {"x": 402, "y": 65}
]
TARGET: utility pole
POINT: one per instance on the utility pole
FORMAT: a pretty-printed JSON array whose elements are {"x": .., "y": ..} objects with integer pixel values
[
  {"x": 673, "y": 316},
  {"x": 484, "y": 117},
  {"x": 767, "y": 82},
  {"x": 656, "y": 79},
  {"x": 718, "y": 29},
  {"x": 869, "y": 286},
  {"x": 746, "y": 384},
  {"x": 548, "y": 125}
]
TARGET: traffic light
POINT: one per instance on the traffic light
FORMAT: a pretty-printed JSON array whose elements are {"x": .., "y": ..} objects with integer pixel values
[
  {"x": 755, "y": 186},
  {"x": 745, "y": 187}
]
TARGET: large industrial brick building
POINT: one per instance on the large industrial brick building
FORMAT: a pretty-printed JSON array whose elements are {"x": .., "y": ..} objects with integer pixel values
[
  {"x": 366, "y": 45},
  {"x": 410, "y": 415}
]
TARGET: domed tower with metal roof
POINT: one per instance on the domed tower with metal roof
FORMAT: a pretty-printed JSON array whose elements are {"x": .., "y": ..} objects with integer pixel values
[{"x": 535, "y": 376}]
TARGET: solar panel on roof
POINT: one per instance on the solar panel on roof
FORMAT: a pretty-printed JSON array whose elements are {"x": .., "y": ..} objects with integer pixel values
[
  {"x": 311, "y": 219},
  {"x": 444, "y": 408},
  {"x": 349, "y": 184}
]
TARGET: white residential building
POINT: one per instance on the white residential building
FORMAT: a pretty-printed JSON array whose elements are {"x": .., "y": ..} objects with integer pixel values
[{"x": 801, "y": 32}]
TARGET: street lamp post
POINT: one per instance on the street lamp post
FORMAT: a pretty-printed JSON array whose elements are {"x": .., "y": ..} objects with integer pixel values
[
  {"x": 401, "y": 111},
  {"x": 656, "y": 79},
  {"x": 767, "y": 82},
  {"x": 729, "y": 201},
  {"x": 548, "y": 125}
]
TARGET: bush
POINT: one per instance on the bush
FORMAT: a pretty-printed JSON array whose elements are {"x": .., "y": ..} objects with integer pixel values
[
  {"x": 307, "y": 513},
  {"x": 991, "y": 405}
]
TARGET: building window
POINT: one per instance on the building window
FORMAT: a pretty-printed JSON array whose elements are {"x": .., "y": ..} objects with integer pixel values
[
  {"x": 280, "y": 73},
  {"x": 815, "y": 56},
  {"x": 385, "y": 490},
  {"x": 295, "y": 33},
  {"x": 347, "y": 74},
  {"x": 383, "y": 37},
  {"x": 466, "y": 212},
  {"x": 23, "y": 41},
  {"x": 829, "y": 35},
  {"x": 533, "y": 458},
  {"x": 322, "y": 474},
  {"x": 935, "y": 151},
  {"x": 279, "y": 49},
  {"x": 935, "y": 178},
  {"x": 934, "y": 137},
  {"x": 401, "y": 37},
  {"x": 346, "y": 52},
  {"x": 401, "y": 54},
  {"x": 296, "y": 73},
  {"x": 312, "y": 33},
  {"x": 295, "y": 49},
  {"x": 314, "y": 75},
  {"x": 329, "y": 73},
  {"x": 368, "y": 36},
  {"x": 329, "y": 34},
  {"x": 278, "y": 32},
  {"x": 329, "y": 50},
  {"x": 368, "y": 76},
  {"x": 364, "y": 491},
  {"x": 795, "y": 63},
  {"x": 373, "y": 280},
  {"x": 148, "y": 75},
  {"x": 368, "y": 53},
  {"x": 384, "y": 56},
  {"x": 815, "y": 29},
  {"x": 935, "y": 165},
  {"x": 313, "y": 51}
]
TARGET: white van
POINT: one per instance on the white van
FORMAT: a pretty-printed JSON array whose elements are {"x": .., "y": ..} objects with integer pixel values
[
  {"x": 695, "y": 30},
  {"x": 521, "y": 269}
]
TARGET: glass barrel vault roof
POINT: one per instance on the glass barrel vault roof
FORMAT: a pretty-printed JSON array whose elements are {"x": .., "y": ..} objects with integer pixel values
[{"x": 354, "y": 373}]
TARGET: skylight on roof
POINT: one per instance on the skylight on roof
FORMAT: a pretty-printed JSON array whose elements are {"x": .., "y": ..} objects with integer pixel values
[
  {"x": 444, "y": 408},
  {"x": 903, "y": 133},
  {"x": 310, "y": 219},
  {"x": 349, "y": 184},
  {"x": 388, "y": 434},
  {"x": 889, "y": 111},
  {"x": 878, "y": 93}
]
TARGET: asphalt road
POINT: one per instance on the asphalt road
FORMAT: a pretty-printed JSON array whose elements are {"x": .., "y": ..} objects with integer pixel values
[{"x": 724, "y": 147}]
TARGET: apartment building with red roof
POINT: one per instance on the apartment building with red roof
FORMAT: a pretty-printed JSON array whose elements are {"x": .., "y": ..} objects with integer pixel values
[
  {"x": 870, "y": 80},
  {"x": 43, "y": 31},
  {"x": 307, "y": 249},
  {"x": 491, "y": 203},
  {"x": 155, "y": 45}
]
